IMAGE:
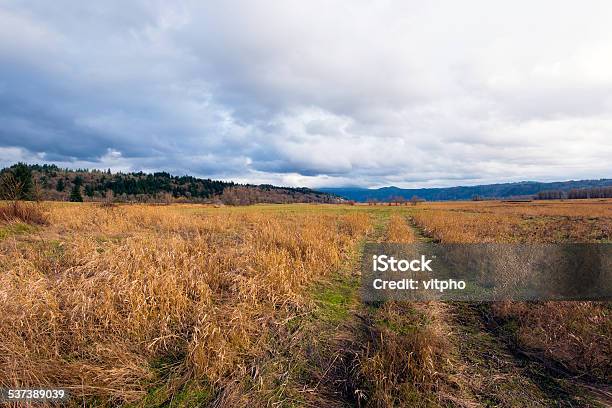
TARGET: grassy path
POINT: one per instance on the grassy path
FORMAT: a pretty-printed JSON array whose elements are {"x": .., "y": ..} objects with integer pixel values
[
  {"x": 376, "y": 355},
  {"x": 489, "y": 370}
]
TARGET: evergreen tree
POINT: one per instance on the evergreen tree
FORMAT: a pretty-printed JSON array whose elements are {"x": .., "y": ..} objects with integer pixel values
[
  {"x": 60, "y": 185},
  {"x": 75, "y": 194},
  {"x": 23, "y": 175}
]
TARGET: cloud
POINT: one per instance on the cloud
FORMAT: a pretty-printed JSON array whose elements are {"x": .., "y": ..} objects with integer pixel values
[{"x": 311, "y": 93}]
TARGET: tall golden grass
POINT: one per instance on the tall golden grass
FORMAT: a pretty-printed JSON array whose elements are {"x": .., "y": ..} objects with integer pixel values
[
  {"x": 20, "y": 211},
  {"x": 399, "y": 231},
  {"x": 106, "y": 302},
  {"x": 118, "y": 302},
  {"x": 407, "y": 363}
]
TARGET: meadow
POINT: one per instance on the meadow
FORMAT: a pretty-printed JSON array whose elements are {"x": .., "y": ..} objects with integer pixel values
[{"x": 195, "y": 305}]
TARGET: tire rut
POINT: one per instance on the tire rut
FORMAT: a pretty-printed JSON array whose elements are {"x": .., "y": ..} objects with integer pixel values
[
  {"x": 491, "y": 370},
  {"x": 335, "y": 378}
]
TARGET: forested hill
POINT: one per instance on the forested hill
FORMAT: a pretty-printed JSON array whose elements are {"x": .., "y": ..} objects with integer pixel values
[
  {"x": 525, "y": 189},
  {"x": 49, "y": 182}
]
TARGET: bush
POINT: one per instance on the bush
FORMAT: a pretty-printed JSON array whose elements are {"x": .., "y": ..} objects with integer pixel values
[
  {"x": 16, "y": 183},
  {"x": 30, "y": 213}
]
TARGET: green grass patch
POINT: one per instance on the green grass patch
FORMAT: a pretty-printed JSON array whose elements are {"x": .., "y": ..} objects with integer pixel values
[
  {"x": 407, "y": 321},
  {"x": 334, "y": 301},
  {"x": 16, "y": 228},
  {"x": 193, "y": 394},
  {"x": 166, "y": 392}
]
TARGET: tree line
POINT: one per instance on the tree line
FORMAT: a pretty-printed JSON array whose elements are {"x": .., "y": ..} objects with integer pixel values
[
  {"x": 578, "y": 193},
  {"x": 396, "y": 200},
  {"x": 50, "y": 182}
]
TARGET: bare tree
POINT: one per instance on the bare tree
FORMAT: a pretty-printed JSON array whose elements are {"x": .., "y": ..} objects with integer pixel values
[
  {"x": 167, "y": 198},
  {"x": 415, "y": 200},
  {"x": 11, "y": 189},
  {"x": 396, "y": 200},
  {"x": 37, "y": 192},
  {"x": 109, "y": 199}
]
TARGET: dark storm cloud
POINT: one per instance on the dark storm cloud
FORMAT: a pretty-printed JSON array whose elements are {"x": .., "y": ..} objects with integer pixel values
[{"x": 310, "y": 93}]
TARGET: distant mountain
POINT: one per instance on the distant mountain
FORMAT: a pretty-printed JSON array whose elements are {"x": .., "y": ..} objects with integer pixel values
[{"x": 505, "y": 190}]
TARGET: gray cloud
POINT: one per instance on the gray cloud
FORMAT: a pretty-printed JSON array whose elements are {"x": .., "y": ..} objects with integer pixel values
[{"x": 311, "y": 93}]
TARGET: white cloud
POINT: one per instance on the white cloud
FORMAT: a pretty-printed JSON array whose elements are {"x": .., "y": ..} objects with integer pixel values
[{"x": 311, "y": 93}]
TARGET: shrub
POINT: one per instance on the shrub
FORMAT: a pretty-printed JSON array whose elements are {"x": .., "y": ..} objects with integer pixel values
[
  {"x": 30, "y": 213},
  {"x": 75, "y": 194}
]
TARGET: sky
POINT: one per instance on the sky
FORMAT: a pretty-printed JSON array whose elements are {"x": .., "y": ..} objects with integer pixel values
[{"x": 311, "y": 93}]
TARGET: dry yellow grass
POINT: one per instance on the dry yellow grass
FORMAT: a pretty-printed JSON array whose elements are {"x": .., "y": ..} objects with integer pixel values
[
  {"x": 399, "y": 231},
  {"x": 578, "y": 335},
  {"x": 103, "y": 298},
  {"x": 116, "y": 303},
  {"x": 408, "y": 361},
  {"x": 569, "y": 208},
  {"x": 550, "y": 222},
  {"x": 19, "y": 211}
]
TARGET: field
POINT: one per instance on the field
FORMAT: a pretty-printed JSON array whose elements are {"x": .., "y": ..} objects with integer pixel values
[{"x": 193, "y": 305}]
